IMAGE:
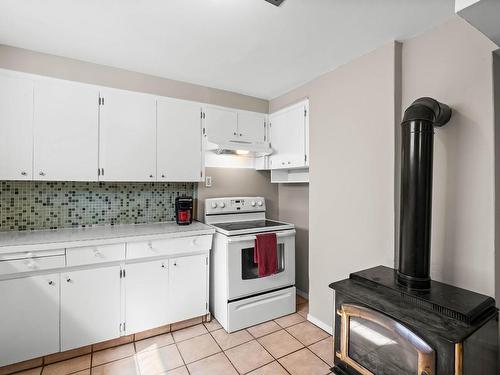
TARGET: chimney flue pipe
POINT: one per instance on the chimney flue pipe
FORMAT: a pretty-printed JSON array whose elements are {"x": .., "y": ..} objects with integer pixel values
[{"x": 417, "y": 136}]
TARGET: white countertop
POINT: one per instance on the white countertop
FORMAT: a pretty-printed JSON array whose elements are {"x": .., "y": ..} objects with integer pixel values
[{"x": 11, "y": 242}]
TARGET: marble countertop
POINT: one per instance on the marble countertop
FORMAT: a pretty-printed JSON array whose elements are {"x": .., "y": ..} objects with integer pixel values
[{"x": 11, "y": 242}]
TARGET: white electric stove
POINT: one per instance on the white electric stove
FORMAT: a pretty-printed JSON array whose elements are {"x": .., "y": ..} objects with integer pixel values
[{"x": 239, "y": 298}]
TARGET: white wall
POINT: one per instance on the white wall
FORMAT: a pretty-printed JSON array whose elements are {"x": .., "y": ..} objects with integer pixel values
[
  {"x": 461, "y": 4},
  {"x": 294, "y": 208},
  {"x": 453, "y": 63},
  {"x": 351, "y": 193}
]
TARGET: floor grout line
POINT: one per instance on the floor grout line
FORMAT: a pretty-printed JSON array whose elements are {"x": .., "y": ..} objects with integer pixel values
[
  {"x": 185, "y": 364},
  {"x": 225, "y": 355}
]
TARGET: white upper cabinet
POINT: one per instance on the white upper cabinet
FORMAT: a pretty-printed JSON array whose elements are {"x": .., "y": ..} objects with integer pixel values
[
  {"x": 252, "y": 127},
  {"x": 66, "y": 136},
  {"x": 179, "y": 145},
  {"x": 221, "y": 124},
  {"x": 16, "y": 128},
  {"x": 127, "y": 136},
  {"x": 289, "y": 130},
  {"x": 236, "y": 129}
]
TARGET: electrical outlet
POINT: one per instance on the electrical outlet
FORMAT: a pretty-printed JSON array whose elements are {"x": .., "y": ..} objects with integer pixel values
[{"x": 208, "y": 181}]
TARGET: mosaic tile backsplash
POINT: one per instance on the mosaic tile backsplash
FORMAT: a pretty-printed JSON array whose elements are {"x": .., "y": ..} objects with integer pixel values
[{"x": 32, "y": 205}]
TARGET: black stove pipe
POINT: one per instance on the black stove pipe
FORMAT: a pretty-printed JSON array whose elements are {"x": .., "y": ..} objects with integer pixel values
[{"x": 417, "y": 138}]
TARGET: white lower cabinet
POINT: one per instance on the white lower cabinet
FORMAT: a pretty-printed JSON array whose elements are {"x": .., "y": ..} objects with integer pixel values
[
  {"x": 146, "y": 295},
  {"x": 29, "y": 318},
  {"x": 188, "y": 287},
  {"x": 92, "y": 303},
  {"x": 90, "y": 306}
]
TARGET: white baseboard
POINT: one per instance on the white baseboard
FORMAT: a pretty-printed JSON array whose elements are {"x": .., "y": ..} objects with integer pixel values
[
  {"x": 325, "y": 327},
  {"x": 302, "y": 294}
]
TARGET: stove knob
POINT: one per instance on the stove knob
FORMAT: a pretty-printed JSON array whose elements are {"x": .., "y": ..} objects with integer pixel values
[
  {"x": 214, "y": 205},
  {"x": 253, "y": 203},
  {"x": 222, "y": 204},
  {"x": 260, "y": 203}
]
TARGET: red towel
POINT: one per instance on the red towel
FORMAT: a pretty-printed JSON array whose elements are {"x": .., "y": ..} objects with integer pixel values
[{"x": 265, "y": 254}]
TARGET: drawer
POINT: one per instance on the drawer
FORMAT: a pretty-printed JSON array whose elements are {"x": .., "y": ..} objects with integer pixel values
[
  {"x": 79, "y": 256},
  {"x": 254, "y": 310},
  {"x": 171, "y": 246},
  {"x": 31, "y": 254},
  {"x": 31, "y": 264}
]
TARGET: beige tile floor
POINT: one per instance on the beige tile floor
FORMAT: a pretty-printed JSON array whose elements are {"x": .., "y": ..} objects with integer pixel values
[{"x": 288, "y": 345}]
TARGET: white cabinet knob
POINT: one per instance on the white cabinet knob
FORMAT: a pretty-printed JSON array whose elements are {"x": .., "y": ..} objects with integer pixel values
[
  {"x": 253, "y": 203},
  {"x": 260, "y": 203},
  {"x": 214, "y": 205},
  {"x": 222, "y": 204}
]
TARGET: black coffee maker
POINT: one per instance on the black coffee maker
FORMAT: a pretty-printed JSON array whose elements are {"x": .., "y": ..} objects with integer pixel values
[{"x": 184, "y": 210}]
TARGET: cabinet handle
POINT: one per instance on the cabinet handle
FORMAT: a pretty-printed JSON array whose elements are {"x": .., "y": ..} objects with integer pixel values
[
  {"x": 241, "y": 135},
  {"x": 68, "y": 280},
  {"x": 162, "y": 176},
  {"x": 175, "y": 263},
  {"x": 151, "y": 176},
  {"x": 23, "y": 173},
  {"x": 51, "y": 283},
  {"x": 235, "y": 133},
  {"x": 162, "y": 265},
  {"x": 41, "y": 173}
]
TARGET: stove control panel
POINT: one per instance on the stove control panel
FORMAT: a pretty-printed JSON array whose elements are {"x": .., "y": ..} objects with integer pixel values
[{"x": 234, "y": 205}]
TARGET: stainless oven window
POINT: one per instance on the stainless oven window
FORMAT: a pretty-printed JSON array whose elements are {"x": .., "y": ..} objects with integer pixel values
[
  {"x": 380, "y": 350},
  {"x": 250, "y": 270}
]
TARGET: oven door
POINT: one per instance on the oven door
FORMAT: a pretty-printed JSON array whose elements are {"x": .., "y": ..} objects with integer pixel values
[
  {"x": 373, "y": 343},
  {"x": 243, "y": 276}
]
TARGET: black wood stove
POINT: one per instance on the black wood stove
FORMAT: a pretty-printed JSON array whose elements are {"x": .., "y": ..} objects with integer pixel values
[{"x": 398, "y": 322}]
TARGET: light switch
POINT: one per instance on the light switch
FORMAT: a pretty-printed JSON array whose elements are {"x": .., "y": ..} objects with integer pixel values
[{"x": 208, "y": 181}]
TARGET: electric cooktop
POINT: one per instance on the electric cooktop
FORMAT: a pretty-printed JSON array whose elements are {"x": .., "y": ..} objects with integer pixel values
[{"x": 251, "y": 226}]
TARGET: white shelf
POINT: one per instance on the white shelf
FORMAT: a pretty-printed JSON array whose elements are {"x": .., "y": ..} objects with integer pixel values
[{"x": 289, "y": 176}]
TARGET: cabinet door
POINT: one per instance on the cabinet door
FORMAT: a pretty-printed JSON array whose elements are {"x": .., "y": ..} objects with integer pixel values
[
  {"x": 29, "y": 318},
  {"x": 179, "y": 141},
  {"x": 127, "y": 136},
  {"x": 16, "y": 128},
  {"x": 146, "y": 295},
  {"x": 90, "y": 306},
  {"x": 288, "y": 138},
  {"x": 252, "y": 127},
  {"x": 66, "y": 131},
  {"x": 187, "y": 287},
  {"x": 221, "y": 124}
]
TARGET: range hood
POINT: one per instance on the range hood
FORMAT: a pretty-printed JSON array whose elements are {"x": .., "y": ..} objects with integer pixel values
[{"x": 223, "y": 145}]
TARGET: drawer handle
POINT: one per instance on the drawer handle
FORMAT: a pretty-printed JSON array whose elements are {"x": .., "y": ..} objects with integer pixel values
[
  {"x": 195, "y": 241},
  {"x": 31, "y": 264},
  {"x": 98, "y": 254},
  {"x": 150, "y": 246}
]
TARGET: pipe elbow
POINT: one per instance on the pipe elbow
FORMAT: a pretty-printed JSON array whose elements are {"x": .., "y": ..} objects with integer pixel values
[{"x": 428, "y": 109}]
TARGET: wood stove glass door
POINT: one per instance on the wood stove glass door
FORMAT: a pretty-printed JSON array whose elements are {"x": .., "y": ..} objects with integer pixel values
[{"x": 375, "y": 344}]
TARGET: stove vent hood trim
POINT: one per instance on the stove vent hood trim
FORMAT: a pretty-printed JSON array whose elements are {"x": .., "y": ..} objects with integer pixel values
[{"x": 218, "y": 145}]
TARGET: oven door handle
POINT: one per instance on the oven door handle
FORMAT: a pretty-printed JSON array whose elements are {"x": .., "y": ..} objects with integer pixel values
[{"x": 285, "y": 233}]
